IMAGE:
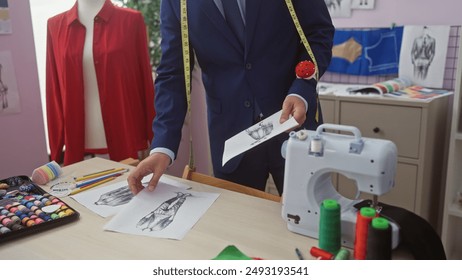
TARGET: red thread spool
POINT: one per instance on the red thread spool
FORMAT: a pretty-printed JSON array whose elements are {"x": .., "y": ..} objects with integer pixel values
[
  {"x": 38, "y": 221},
  {"x": 305, "y": 70},
  {"x": 364, "y": 218},
  {"x": 4, "y": 220},
  {"x": 321, "y": 254}
]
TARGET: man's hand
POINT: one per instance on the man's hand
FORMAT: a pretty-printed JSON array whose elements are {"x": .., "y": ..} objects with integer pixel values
[
  {"x": 293, "y": 106},
  {"x": 156, "y": 164}
]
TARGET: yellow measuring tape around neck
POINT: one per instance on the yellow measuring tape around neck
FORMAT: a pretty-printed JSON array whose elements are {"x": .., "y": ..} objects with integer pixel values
[
  {"x": 187, "y": 72},
  {"x": 298, "y": 26},
  {"x": 186, "y": 54}
]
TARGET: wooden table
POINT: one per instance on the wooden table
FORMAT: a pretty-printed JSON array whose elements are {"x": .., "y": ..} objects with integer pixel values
[{"x": 254, "y": 225}]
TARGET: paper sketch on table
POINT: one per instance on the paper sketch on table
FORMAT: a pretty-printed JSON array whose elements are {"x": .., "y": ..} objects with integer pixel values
[
  {"x": 167, "y": 212},
  {"x": 9, "y": 96},
  {"x": 337, "y": 89},
  {"x": 339, "y": 8},
  {"x": 115, "y": 197},
  {"x": 423, "y": 55},
  {"x": 163, "y": 215},
  {"x": 255, "y": 135},
  {"x": 108, "y": 200}
]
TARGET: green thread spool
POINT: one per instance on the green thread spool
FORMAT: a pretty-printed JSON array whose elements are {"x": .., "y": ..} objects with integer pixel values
[
  {"x": 329, "y": 226},
  {"x": 368, "y": 212},
  {"x": 343, "y": 254},
  {"x": 380, "y": 223}
]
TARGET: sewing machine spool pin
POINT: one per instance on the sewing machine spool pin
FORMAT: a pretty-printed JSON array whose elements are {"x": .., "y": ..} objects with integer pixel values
[{"x": 375, "y": 201}]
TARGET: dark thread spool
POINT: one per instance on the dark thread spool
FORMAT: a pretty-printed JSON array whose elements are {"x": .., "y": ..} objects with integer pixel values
[
  {"x": 329, "y": 226},
  {"x": 364, "y": 217},
  {"x": 379, "y": 240}
]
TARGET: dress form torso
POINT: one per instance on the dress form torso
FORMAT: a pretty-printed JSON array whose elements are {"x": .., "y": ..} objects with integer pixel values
[{"x": 95, "y": 137}]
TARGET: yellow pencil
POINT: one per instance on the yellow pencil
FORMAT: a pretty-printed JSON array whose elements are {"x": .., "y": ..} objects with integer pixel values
[
  {"x": 94, "y": 173},
  {"x": 102, "y": 173},
  {"x": 76, "y": 191}
]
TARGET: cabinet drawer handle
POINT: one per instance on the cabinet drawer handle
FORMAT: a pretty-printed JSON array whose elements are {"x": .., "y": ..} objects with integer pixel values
[{"x": 376, "y": 130}]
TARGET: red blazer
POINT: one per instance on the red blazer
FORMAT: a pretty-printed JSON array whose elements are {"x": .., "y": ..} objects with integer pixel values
[{"x": 124, "y": 76}]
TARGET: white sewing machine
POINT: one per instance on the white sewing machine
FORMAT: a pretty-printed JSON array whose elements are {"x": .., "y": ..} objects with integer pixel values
[{"x": 311, "y": 158}]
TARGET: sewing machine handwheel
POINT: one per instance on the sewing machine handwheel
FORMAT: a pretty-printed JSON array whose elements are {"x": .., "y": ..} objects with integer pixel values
[{"x": 376, "y": 130}]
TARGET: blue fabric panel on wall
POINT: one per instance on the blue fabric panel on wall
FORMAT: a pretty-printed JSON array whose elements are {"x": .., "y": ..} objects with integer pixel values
[{"x": 366, "y": 52}]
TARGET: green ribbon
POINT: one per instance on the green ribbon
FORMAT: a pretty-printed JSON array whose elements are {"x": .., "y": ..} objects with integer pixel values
[{"x": 231, "y": 253}]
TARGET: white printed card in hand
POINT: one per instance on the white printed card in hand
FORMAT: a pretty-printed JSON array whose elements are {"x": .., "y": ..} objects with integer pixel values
[{"x": 255, "y": 135}]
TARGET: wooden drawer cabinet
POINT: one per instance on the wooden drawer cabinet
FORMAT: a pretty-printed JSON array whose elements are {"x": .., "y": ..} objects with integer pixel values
[
  {"x": 328, "y": 110},
  {"x": 399, "y": 124},
  {"x": 420, "y": 132}
]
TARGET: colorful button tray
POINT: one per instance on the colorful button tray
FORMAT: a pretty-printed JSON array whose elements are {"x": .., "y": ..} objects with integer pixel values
[{"x": 25, "y": 208}]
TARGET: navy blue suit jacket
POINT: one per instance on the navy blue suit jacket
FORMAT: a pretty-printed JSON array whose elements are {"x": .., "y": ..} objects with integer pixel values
[{"x": 234, "y": 77}]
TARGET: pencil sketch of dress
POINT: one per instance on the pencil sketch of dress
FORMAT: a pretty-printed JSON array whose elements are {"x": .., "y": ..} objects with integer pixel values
[
  {"x": 115, "y": 197},
  {"x": 3, "y": 91},
  {"x": 339, "y": 8},
  {"x": 164, "y": 215},
  {"x": 333, "y": 4},
  {"x": 422, "y": 54},
  {"x": 262, "y": 130}
]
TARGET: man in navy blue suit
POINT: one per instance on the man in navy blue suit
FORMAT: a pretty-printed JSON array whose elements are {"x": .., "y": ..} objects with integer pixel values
[{"x": 248, "y": 70}]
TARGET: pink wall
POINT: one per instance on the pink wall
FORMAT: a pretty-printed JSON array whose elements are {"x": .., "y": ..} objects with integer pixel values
[
  {"x": 22, "y": 135},
  {"x": 402, "y": 12}
]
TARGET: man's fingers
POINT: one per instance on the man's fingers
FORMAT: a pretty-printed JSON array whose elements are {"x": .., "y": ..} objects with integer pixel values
[
  {"x": 286, "y": 112},
  {"x": 299, "y": 116},
  {"x": 136, "y": 175},
  {"x": 134, "y": 181},
  {"x": 162, "y": 162},
  {"x": 293, "y": 106},
  {"x": 154, "y": 181},
  {"x": 156, "y": 164}
]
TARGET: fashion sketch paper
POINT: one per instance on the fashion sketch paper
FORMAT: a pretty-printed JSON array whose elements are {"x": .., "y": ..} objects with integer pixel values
[
  {"x": 339, "y": 8},
  {"x": 423, "y": 55},
  {"x": 337, "y": 89},
  {"x": 167, "y": 212},
  {"x": 5, "y": 18},
  {"x": 255, "y": 135},
  {"x": 363, "y": 4},
  {"x": 109, "y": 200},
  {"x": 9, "y": 94}
]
